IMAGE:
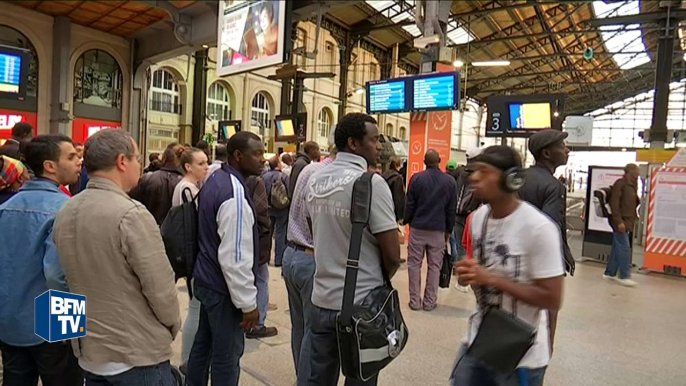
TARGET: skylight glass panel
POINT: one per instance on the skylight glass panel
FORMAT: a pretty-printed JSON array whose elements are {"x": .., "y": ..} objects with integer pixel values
[
  {"x": 412, "y": 29},
  {"x": 615, "y": 41},
  {"x": 381, "y": 5}
]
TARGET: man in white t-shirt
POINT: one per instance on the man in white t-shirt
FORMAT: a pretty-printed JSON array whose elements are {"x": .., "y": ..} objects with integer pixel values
[{"x": 520, "y": 271}]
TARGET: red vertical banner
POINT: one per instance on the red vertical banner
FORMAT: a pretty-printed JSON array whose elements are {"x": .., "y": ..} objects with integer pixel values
[
  {"x": 417, "y": 149},
  {"x": 439, "y": 134}
]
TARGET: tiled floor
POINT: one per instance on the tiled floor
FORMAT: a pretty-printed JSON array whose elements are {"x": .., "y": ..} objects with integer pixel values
[{"x": 607, "y": 335}]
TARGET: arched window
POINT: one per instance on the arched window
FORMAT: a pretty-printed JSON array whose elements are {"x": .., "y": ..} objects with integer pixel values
[
  {"x": 165, "y": 92},
  {"x": 13, "y": 38},
  {"x": 324, "y": 122},
  {"x": 389, "y": 130},
  {"x": 261, "y": 114},
  {"x": 98, "y": 80},
  {"x": 218, "y": 103},
  {"x": 403, "y": 133}
]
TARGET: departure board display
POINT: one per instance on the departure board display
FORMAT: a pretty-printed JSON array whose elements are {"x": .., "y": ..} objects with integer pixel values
[
  {"x": 10, "y": 73},
  {"x": 386, "y": 96},
  {"x": 435, "y": 92}
]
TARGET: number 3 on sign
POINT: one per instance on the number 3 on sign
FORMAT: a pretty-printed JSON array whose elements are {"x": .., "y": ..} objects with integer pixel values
[{"x": 496, "y": 122}]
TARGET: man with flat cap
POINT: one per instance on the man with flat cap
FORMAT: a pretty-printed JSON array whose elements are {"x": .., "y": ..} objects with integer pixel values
[
  {"x": 547, "y": 193},
  {"x": 430, "y": 208}
]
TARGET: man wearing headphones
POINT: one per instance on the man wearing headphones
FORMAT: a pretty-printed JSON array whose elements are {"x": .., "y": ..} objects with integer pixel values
[{"x": 517, "y": 267}]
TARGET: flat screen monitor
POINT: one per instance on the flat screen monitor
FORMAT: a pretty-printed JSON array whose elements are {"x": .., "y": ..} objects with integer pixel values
[
  {"x": 226, "y": 130},
  {"x": 250, "y": 35},
  {"x": 439, "y": 91},
  {"x": 387, "y": 96},
  {"x": 530, "y": 116},
  {"x": 13, "y": 72}
]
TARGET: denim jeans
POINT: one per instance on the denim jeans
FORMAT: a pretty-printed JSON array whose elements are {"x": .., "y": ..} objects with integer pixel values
[
  {"x": 53, "y": 362},
  {"x": 458, "y": 231},
  {"x": 262, "y": 284},
  {"x": 470, "y": 371},
  {"x": 156, "y": 375},
  {"x": 620, "y": 256},
  {"x": 326, "y": 365},
  {"x": 190, "y": 326},
  {"x": 219, "y": 341},
  {"x": 298, "y": 273},
  {"x": 279, "y": 228}
]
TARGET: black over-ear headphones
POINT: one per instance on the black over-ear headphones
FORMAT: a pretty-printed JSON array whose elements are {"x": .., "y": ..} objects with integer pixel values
[{"x": 512, "y": 180}]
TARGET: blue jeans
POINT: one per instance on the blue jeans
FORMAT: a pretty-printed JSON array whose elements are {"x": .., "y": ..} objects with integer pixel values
[
  {"x": 458, "y": 252},
  {"x": 298, "y": 273},
  {"x": 262, "y": 284},
  {"x": 219, "y": 341},
  {"x": 190, "y": 326},
  {"x": 156, "y": 375},
  {"x": 278, "y": 230},
  {"x": 326, "y": 365},
  {"x": 620, "y": 256},
  {"x": 472, "y": 372}
]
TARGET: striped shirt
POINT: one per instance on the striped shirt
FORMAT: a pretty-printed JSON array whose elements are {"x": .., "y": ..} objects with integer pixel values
[{"x": 298, "y": 228}]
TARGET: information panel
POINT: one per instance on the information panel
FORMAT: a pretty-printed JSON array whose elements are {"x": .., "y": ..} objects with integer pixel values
[
  {"x": 435, "y": 92},
  {"x": 386, "y": 96},
  {"x": 10, "y": 72}
]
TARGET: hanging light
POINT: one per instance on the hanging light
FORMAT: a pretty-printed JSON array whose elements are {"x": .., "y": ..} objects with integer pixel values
[
  {"x": 491, "y": 63},
  {"x": 458, "y": 63},
  {"x": 359, "y": 91}
]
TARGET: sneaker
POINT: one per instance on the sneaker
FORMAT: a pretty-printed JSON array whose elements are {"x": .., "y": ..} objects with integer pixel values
[
  {"x": 462, "y": 288},
  {"x": 402, "y": 260},
  {"x": 626, "y": 282},
  {"x": 413, "y": 308},
  {"x": 261, "y": 332},
  {"x": 272, "y": 307},
  {"x": 608, "y": 277},
  {"x": 431, "y": 307}
]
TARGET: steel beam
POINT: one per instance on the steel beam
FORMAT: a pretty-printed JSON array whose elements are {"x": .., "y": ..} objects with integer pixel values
[
  {"x": 648, "y": 17},
  {"x": 663, "y": 76}
]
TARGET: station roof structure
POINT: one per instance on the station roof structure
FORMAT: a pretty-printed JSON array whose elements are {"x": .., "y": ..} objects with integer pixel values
[{"x": 543, "y": 40}]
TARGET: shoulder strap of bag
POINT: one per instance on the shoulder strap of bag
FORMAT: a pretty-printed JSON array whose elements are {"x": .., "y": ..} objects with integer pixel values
[{"x": 359, "y": 215}]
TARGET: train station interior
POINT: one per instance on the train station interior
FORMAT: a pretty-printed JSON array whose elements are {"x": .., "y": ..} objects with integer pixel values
[{"x": 610, "y": 74}]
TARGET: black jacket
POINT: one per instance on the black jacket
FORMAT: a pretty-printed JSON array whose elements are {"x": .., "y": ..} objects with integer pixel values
[
  {"x": 11, "y": 149},
  {"x": 258, "y": 192},
  {"x": 397, "y": 185},
  {"x": 155, "y": 191},
  {"x": 301, "y": 160},
  {"x": 549, "y": 195}
]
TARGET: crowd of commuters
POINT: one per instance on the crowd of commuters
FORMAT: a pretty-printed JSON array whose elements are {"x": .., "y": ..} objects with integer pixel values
[{"x": 105, "y": 243}]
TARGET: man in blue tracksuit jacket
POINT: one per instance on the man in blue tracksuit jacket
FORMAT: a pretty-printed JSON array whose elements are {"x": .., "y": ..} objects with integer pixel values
[{"x": 223, "y": 273}]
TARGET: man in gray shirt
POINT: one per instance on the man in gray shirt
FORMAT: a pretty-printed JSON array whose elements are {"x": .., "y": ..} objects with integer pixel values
[{"x": 328, "y": 204}]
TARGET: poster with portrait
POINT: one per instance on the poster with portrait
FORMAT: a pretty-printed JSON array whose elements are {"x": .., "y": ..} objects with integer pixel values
[{"x": 250, "y": 35}]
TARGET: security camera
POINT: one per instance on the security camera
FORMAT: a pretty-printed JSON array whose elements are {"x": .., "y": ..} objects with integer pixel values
[{"x": 426, "y": 41}]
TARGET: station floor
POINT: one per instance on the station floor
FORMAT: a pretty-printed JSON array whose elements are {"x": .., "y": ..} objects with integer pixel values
[{"x": 607, "y": 334}]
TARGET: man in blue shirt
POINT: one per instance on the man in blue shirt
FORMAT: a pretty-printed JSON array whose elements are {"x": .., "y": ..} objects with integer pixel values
[
  {"x": 29, "y": 266},
  {"x": 224, "y": 279},
  {"x": 430, "y": 212}
]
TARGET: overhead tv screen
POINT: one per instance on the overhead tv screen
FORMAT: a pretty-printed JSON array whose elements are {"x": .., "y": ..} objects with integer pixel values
[
  {"x": 435, "y": 92},
  {"x": 386, "y": 96},
  {"x": 530, "y": 116},
  {"x": 14, "y": 65},
  {"x": 250, "y": 35}
]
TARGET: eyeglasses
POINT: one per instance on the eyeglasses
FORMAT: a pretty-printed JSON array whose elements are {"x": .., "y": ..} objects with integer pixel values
[{"x": 137, "y": 157}]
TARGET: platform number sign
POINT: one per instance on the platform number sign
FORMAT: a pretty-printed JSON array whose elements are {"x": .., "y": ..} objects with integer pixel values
[{"x": 495, "y": 126}]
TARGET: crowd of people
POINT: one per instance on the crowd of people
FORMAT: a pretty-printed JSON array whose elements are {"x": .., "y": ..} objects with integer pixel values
[{"x": 105, "y": 243}]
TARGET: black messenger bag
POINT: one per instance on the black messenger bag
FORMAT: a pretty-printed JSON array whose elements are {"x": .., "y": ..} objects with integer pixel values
[{"x": 371, "y": 334}]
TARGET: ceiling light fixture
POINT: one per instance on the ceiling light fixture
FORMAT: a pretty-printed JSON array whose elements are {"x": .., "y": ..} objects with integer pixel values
[
  {"x": 359, "y": 90},
  {"x": 491, "y": 63},
  {"x": 556, "y": 114},
  {"x": 458, "y": 63},
  {"x": 205, "y": 46}
]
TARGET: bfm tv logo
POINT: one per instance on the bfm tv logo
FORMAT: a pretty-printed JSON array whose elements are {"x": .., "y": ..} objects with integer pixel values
[{"x": 60, "y": 316}]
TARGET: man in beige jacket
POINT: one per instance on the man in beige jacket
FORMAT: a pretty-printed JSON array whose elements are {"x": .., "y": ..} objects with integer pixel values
[{"x": 112, "y": 252}]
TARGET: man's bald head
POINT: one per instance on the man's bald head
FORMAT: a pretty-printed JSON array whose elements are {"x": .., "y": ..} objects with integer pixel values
[{"x": 432, "y": 159}]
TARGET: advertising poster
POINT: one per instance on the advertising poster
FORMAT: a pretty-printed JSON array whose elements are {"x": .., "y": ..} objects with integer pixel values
[
  {"x": 601, "y": 178},
  {"x": 250, "y": 35},
  {"x": 439, "y": 135},
  {"x": 670, "y": 206}
]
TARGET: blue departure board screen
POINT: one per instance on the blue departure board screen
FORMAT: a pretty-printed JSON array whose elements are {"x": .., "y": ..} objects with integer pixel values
[
  {"x": 435, "y": 92},
  {"x": 10, "y": 73},
  {"x": 386, "y": 96}
]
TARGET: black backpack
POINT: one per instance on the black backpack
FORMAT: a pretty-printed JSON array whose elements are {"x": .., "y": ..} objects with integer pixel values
[
  {"x": 601, "y": 202},
  {"x": 180, "y": 236}
]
